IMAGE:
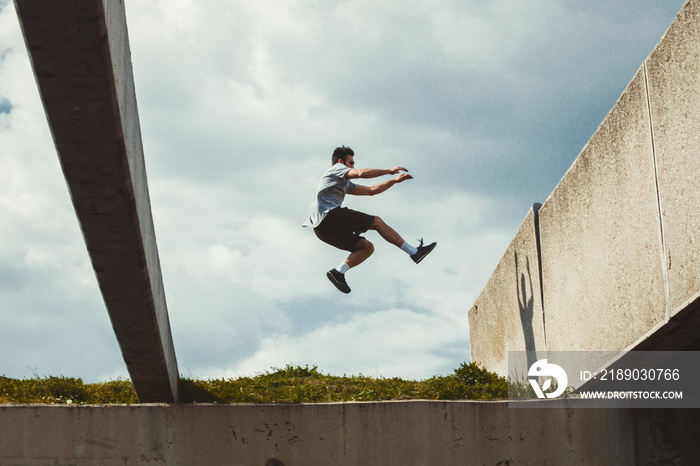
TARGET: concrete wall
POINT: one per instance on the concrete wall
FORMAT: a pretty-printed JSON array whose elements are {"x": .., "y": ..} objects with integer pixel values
[
  {"x": 619, "y": 236},
  {"x": 508, "y": 315},
  {"x": 673, "y": 73},
  {"x": 79, "y": 51},
  {"x": 388, "y": 433},
  {"x": 602, "y": 277}
]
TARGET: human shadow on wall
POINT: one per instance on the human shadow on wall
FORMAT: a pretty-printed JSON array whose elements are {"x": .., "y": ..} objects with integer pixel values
[{"x": 527, "y": 309}]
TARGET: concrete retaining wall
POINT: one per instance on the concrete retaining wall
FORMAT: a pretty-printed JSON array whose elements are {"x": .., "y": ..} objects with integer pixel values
[
  {"x": 387, "y": 433},
  {"x": 619, "y": 237}
]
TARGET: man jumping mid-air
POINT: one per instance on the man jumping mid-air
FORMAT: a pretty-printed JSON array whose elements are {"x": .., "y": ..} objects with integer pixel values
[{"x": 341, "y": 227}]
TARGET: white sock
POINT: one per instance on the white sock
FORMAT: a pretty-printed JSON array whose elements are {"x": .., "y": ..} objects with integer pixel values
[
  {"x": 342, "y": 268},
  {"x": 408, "y": 249}
]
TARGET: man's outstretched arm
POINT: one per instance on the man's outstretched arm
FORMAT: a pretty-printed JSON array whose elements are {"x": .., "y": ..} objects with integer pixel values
[
  {"x": 373, "y": 172},
  {"x": 361, "y": 190}
]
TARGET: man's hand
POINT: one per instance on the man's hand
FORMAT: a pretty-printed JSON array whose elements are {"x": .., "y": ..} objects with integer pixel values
[
  {"x": 396, "y": 170},
  {"x": 403, "y": 177}
]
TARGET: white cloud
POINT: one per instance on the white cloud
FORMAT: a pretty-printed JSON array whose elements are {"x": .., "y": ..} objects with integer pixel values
[{"x": 395, "y": 342}]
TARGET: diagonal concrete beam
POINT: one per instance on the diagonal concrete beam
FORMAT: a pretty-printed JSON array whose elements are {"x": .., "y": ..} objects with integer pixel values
[{"x": 79, "y": 50}]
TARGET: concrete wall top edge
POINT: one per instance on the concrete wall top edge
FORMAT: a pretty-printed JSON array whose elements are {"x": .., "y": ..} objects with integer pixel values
[{"x": 234, "y": 405}]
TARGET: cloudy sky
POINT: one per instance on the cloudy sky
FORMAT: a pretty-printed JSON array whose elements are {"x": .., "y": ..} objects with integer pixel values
[{"x": 486, "y": 102}]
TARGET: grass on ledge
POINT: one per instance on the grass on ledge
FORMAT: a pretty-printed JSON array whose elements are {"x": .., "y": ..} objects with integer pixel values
[{"x": 291, "y": 384}]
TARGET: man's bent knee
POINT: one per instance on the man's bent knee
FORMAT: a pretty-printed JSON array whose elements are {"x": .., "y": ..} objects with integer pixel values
[{"x": 366, "y": 245}]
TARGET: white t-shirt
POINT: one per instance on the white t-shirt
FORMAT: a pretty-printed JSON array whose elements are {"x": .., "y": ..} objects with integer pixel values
[{"x": 330, "y": 193}]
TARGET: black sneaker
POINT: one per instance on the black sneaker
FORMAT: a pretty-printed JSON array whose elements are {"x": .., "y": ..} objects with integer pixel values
[
  {"x": 422, "y": 251},
  {"x": 338, "y": 279}
]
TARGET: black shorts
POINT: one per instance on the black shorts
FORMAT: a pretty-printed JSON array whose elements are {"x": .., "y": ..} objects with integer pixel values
[{"x": 342, "y": 227}]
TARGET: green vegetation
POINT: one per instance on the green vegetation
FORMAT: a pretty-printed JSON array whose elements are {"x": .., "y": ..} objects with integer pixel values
[
  {"x": 291, "y": 384},
  {"x": 64, "y": 390}
]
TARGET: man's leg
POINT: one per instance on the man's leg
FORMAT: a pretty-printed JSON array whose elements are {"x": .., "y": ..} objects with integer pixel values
[
  {"x": 389, "y": 234},
  {"x": 365, "y": 249}
]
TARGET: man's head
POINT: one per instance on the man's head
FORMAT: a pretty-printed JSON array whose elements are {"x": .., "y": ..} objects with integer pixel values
[{"x": 341, "y": 154}]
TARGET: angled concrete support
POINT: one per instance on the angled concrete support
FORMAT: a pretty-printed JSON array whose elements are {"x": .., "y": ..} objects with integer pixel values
[{"x": 79, "y": 50}]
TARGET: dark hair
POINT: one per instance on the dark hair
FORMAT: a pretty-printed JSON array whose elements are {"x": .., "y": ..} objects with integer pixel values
[{"x": 341, "y": 153}]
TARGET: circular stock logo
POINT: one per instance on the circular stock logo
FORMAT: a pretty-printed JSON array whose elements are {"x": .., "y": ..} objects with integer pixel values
[{"x": 546, "y": 373}]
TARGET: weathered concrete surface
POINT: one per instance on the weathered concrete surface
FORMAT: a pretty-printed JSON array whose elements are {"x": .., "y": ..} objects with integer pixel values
[
  {"x": 620, "y": 234},
  {"x": 602, "y": 277},
  {"x": 80, "y": 54},
  {"x": 507, "y": 315},
  {"x": 673, "y": 69},
  {"x": 387, "y": 433}
]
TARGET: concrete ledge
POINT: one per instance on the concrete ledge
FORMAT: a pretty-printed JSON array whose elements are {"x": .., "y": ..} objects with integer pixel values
[
  {"x": 385, "y": 433},
  {"x": 80, "y": 54}
]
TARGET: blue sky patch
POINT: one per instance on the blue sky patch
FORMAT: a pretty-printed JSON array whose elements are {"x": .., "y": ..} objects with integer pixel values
[{"x": 5, "y": 106}]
